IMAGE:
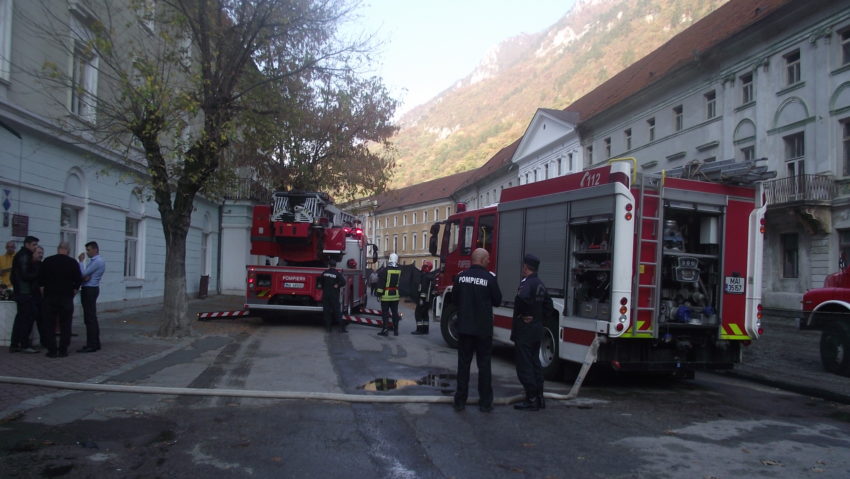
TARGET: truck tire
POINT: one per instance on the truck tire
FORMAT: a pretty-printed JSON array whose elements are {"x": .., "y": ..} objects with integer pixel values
[
  {"x": 448, "y": 325},
  {"x": 549, "y": 360},
  {"x": 835, "y": 348}
]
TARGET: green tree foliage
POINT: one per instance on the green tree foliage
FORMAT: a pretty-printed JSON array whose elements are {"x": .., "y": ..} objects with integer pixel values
[{"x": 198, "y": 87}]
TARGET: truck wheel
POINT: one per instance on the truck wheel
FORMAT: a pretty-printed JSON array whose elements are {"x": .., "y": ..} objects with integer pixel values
[
  {"x": 448, "y": 325},
  {"x": 835, "y": 349},
  {"x": 549, "y": 360}
]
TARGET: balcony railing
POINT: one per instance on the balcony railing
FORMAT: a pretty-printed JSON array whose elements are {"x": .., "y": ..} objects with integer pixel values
[
  {"x": 247, "y": 189},
  {"x": 800, "y": 188}
]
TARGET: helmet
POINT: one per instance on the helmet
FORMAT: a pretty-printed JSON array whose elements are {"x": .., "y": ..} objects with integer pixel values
[
  {"x": 427, "y": 266},
  {"x": 393, "y": 259}
]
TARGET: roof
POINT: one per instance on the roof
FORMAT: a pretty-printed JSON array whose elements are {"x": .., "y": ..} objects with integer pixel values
[
  {"x": 434, "y": 190},
  {"x": 498, "y": 162},
  {"x": 681, "y": 50}
]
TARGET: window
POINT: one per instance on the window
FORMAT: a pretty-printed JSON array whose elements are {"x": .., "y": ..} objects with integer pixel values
[
  {"x": 404, "y": 242},
  {"x": 747, "y": 88},
  {"x": 425, "y": 216},
  {"x": 795, "y": 165},
  {"x": 395, "y": 220},
  {"x": 526, "y": 178},
  {"x": 546, "y": 171},
  {"x": 845, "y": 140},
  {"x": 413, "y": 242},
  {"x": 436, "y": 214},
  {"x": 843, "y": 248},
  {"x": 395, "y": 243},
  {"x": 651, "y": 125},
  {"x": 5, "y": 37},
  {"x": 570, "y": 159},
  {"x": 845, "y": 47},
  {"x": 448, "y": 211},
  {"x": 83, "y": 81},
  {"x": 748, "y": 153},
  {"x": 535, "y": 174},
  {"x": 710, "y": 105},
  {"x": 627, "y": 133},
  {"x": 69, "y": 227},
  {"x": 559, "y": 166},
  {"x": 131, "y": 247},
  {"x": 607, "y": 142},
  {"x": 404, "y": 220},
  {"x": 792, "y": 68},
  {"x": 678, "y": 120},
  {"x": 590, "y": 155},
  {"x": 387, "y": 242},
  {"x": 790, "y": 255},
  {"x": 425, "y": 240}
]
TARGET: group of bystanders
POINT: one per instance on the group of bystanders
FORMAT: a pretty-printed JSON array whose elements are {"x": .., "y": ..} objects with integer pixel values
[{"x": 44, "y": 290}]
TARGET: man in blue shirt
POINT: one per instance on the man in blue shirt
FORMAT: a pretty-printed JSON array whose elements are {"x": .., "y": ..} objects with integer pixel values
[{"x": 91, "y": 271}]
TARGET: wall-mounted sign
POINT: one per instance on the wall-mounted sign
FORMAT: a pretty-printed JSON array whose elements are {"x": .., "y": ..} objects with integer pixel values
[{"x": 20, "y": 225}]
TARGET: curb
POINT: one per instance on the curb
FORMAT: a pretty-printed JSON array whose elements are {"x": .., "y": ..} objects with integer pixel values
[{"x": 812, "y": 391}]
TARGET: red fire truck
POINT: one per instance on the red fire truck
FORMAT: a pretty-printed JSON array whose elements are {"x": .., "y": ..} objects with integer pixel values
[
  {"x": 647, "y": 273},
  {"x": 301, "y": 231},
  {"x": 828, "y": 309}
]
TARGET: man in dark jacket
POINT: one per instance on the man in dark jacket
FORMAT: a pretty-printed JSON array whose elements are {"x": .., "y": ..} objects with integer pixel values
[
  {"x": 475, "y": 292},
  {"x": 423, "y": 301},
  {"x": 24, "y": 279},
  {"x": 59, "y": 278},
  {"x": 527, "y": 332},
  {"x": 330, "y": 282}
]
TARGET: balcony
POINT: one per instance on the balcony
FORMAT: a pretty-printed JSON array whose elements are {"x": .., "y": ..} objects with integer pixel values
[
  {"x": 808, "y": 197},
  {"x": 802, "y": 189},
  {"x": 246, "y": 189}
]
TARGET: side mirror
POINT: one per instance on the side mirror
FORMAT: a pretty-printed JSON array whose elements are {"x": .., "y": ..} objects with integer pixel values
[{"x": 432, "y": 241}]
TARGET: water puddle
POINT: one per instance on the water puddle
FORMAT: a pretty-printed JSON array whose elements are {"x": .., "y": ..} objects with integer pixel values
[{"x": 443, "y": 382}]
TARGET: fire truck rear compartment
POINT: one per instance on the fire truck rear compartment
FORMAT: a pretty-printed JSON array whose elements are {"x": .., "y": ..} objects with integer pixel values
[{"x": 679, "y": 347}]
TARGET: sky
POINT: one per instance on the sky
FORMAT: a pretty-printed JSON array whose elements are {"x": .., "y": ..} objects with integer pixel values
[{"x": 427, "y": 45}]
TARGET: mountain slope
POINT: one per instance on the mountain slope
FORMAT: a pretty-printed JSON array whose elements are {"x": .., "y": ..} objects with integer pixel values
[{"x": 465, "y": 125}]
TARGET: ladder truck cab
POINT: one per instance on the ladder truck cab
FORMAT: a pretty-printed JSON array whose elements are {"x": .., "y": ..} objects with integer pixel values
[
  {"x": 647, "y": 273},
  {"x": 828, "y": 309},
  {"x": 301, "y": 232}
]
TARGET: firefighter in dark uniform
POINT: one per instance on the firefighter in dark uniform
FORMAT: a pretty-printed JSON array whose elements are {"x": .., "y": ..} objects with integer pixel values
[
  {"x": 527, "y": 333},
  {"x": 330, "y": 282},
  {"x": 423, "y": 302},
  {"x": 475, "y": 292},
  {"x": 388, "y": 281}
]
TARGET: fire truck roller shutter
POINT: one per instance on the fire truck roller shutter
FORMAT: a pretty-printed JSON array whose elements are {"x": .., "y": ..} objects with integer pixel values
[
  {"x": 511, "y": 227},
  {"x": 546, "y": 237}
]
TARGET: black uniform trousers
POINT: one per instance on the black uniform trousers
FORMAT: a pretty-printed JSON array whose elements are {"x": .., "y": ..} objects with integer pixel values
[
  {"x": 88, "y": 298},
  {"x": 24, "y": 319},
  {"x": 528, "y": 368},
  {"x": 390, "y": 309},
  {"x": 481, "y": 347},
  {"x": 331, "y": 311},
  {"x": 57, "y": 310}
]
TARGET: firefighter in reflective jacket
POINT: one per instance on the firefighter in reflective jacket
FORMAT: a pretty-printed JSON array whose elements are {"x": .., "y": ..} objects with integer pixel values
[
  {"x": 330, "y": 282},
  {"x": 423, "y": 302},
  {"x": 388, "y": 281}
]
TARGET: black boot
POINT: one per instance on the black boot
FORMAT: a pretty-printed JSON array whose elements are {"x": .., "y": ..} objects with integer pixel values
[
  {"x": 532, "y": 404},
  {"x": 384, "y": 329},
  {"x": 418, "y": 330},
  {"x": 542, "y": 401}
]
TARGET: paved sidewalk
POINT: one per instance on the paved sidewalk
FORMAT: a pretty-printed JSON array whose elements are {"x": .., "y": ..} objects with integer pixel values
[
  {"x": 128, "y": 339},
  {"x": 783, "y": 357}
]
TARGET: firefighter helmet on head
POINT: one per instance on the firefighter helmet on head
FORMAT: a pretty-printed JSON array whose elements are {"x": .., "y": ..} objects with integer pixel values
[
  {"x": 393, "y": 260},
  {"x": 427, "y": 266}
]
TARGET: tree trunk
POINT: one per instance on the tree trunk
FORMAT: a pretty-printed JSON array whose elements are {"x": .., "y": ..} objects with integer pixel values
[{"x": 175, "y": 322}]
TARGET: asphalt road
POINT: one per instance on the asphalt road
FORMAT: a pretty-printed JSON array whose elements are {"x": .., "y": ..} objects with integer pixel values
[{"x": 715, "y": 426}]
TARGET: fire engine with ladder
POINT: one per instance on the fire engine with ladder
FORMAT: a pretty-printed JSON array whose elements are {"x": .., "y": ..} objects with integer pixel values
[
  {"x": 646, "y": 272},
  {"x": 303, "y": 231}
]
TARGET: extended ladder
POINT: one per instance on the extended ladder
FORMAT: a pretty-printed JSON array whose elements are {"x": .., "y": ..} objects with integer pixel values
[{"x": 649, "y": 236}]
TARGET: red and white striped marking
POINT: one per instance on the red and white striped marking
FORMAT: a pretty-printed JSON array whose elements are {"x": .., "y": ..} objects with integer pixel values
[
  {"x": 374, "y": 322},
  {"x": 375, "y": 312},
  {"x": 222, "y": 314}
]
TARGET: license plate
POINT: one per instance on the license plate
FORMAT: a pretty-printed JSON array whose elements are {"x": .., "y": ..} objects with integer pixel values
[
  {"x": 734, "y": 285},
  {"x": 293, "y": 285}
]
